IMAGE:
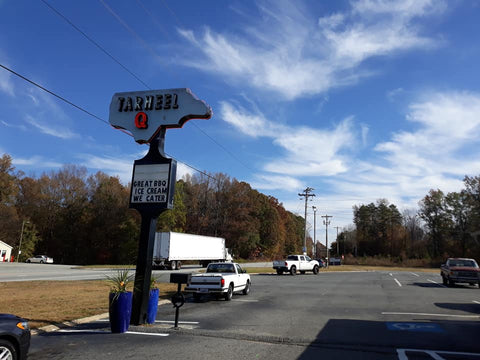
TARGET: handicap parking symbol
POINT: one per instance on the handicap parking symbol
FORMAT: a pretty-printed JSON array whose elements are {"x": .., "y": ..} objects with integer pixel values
[{"x": 414, "y": 326}]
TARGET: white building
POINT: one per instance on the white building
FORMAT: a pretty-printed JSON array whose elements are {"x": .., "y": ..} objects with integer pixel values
[{"x": 5, "y": 252}]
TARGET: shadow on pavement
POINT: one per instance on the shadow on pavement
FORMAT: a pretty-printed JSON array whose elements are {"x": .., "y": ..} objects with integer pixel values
[{"x": 359, "y": 339}]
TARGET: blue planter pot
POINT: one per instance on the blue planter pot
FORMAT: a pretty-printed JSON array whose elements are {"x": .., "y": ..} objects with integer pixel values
[
  {"x": 152, "y": 306},
  {"x": 120, "y": 311}
]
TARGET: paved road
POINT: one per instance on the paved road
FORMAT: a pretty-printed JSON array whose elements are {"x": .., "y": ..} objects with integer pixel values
[
  {"x": 30, "y": 272},
  {"x": 362, "y": 315}
]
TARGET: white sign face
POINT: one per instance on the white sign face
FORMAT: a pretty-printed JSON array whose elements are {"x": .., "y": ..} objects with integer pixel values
[
  {"x": 142, "y": 113},
  {"x": 150, "y": 184}
]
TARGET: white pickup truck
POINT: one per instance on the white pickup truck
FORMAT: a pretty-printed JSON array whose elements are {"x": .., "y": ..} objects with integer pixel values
[
  {"x": 296, "y": 263},
  {"x": 220, "y": 279}
]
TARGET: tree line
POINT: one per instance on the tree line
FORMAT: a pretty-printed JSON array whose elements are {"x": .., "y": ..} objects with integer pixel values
[
  {"x": 445, "y": 225},
  {"x": 78, "y": 218}
]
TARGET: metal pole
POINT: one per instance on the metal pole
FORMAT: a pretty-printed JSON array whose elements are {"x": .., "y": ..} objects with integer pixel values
[
  {"x": 314, "y": 231},
  {"x": 338, "y": 249},
  {"x": 326, "y": 222}
]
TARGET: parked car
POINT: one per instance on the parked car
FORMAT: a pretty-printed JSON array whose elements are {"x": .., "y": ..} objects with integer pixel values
[
  {"x": 322, "y": 263},
  {"x": 14, "y": 337},
  {"x": 42, "y": 259},
  {"x": 460, "y": 270}
]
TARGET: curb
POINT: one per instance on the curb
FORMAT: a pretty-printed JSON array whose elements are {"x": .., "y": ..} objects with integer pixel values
[{"x": 72, "y": 323}]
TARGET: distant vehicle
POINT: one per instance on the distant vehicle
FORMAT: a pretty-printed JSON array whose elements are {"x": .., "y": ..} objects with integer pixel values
[
  {"x": 42, "y": 259},
  {"x": 14, "y": 337},
  {"x": 335, "y": 261},
  {"x": 460, "y": 270},
  {"x": 296, "y": 263},
  {"x": 321, "y": 263},
  {"x": 171, "y": 248},
  {"x": 220, "y": 279}
]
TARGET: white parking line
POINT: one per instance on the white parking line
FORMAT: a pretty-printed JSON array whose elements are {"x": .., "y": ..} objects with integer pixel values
[
  {"x": 427, "y": 314},
  {"x": 476, "y": 302},
  {"x": 434, "y": 354},
  {"x": 398, "y": 282},
  {"x": 437, "y": 283},
  {"x": 143, "y": 333},
  {"x": 173, "y": 322},
  {"x": 414, "y": 274}
]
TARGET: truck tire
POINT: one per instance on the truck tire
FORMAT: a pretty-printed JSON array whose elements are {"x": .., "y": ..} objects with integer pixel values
[
  {"x": 179, "y": 265},
  {"x": 173, "y": 265},
  {"x": 246, "y": 290},
  {"x": 293, "y": 270},
  {"x": 444, "y": 280},
  {"x": 315, "y": 269},
  {"x": 229, "y": 294}
]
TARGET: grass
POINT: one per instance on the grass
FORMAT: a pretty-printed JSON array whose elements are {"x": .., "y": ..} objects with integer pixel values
[{"x": 51, "y": 302}]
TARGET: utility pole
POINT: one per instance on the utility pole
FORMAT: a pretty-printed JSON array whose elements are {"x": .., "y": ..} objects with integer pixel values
[
  {"x": 326, "y": 222},
  {"x": 306, "y": 193},
  {"x": 21, "y": 237},
  {"x": 314, "y": 231},
  {"x": 338, "y": 249}
]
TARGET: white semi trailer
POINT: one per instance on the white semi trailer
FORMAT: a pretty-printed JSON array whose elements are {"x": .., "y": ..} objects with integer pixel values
[{"x": 171, "y": 248}]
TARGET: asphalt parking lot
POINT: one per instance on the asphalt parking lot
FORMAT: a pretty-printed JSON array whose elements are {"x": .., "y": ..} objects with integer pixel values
[{"x": 361, "y": 315}]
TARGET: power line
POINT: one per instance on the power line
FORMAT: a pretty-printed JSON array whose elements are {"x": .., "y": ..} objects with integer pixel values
[
  {"x": 148, "y": 47},
  {"x": 102, "y": 49},
  {"x": 88, "y": 112},
  {"x": 57, "y": 96}
]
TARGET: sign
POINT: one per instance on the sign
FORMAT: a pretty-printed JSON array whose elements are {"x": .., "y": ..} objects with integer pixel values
[
  {"x": 150, "y": 184},
  {"x": 143, "y": 113},
  {"x": 153, "y": 185}
]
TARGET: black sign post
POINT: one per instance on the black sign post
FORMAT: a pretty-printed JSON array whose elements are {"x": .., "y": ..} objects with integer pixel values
[
  {"x": 151, "y": 194},
  {"x": 147, "y": 115}
]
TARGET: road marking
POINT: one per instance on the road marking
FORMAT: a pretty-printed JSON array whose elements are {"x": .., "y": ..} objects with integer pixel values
[
  {"x": 390, "y": 274},
  {"x": 84, "y": 331},
  {"x": 428, "y": 314},
  {"x": 476, "y": 302},
  {"x": 414, "y": 274},
  {"x": 434, "y": 354},
  {"x": 412, "y": 326},
  {"x": 173, "y": 322},
  {"x": 240, "y": 300},
  {"x": 398, "y": 282},
  {"x": 144, "y": 333},
  {"x": 437, "y": 283}
]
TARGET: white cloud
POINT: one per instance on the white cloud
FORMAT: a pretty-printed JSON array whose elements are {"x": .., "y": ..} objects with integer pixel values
[
  {"x": 55, "y": 130},
  {"x": 295, "y": 54},
  {"x": 307, "y": 151},
  {"x": 276, "y": 182},
  {"x": 6, "y": 84},
  {"x": 121, "y": 166},
  {"x": 36, "y": 161}
]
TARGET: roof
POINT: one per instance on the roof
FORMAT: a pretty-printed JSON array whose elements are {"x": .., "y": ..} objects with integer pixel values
[{"x": 5, "y": 244}]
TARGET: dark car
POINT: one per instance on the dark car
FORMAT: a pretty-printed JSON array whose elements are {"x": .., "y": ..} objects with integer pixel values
[
  {"x": 322, "y": 263},
  {"x": 14, "y": 337}
]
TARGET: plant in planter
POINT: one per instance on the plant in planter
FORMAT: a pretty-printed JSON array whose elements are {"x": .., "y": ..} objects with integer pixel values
[
  {"x": 153, "y": 301},
  {"x": 120, "y": 301}
]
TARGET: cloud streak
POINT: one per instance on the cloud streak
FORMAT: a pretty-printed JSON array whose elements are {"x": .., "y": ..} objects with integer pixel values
[{"x": 295, "y": 54}]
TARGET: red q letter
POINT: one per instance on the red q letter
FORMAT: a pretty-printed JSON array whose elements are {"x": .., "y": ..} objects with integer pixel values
[{"x": 141, "y": 120}]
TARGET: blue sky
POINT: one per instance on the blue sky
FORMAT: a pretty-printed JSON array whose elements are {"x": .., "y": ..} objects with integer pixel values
[{"x": 360, "y": 100}]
